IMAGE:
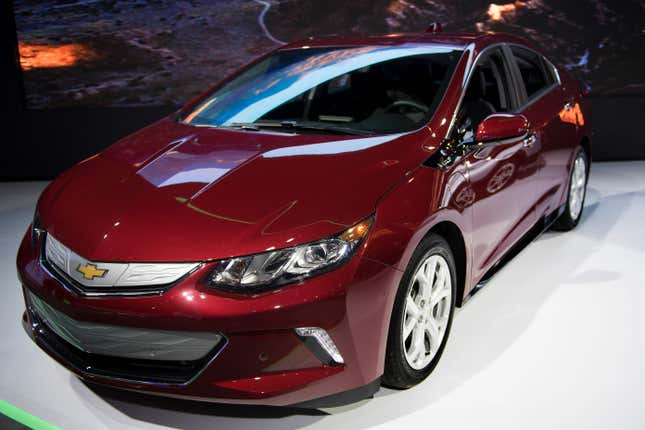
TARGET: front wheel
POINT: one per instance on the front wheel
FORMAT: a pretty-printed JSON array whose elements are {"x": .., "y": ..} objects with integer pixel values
[
  {"x": 576, "y": 194},
  {"x": 422, "y": 314}
]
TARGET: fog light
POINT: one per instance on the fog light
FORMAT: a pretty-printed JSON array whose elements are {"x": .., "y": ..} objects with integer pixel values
[{"x": 320, "y": 343}]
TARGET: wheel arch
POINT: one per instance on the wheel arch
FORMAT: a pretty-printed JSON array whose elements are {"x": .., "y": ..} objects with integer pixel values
[
  {"x": 585, "y": 142},
  {"x": 455, "y": 238}
]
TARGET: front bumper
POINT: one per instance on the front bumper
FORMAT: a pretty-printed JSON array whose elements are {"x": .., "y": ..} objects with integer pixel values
[{"x": 260, "y": 359}]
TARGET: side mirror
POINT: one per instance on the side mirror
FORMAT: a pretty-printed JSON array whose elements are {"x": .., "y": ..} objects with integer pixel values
[{"x": 499, "y": 126}]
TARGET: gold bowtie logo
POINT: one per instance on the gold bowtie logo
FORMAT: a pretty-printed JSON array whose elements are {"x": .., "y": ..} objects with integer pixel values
[{"x": 90, "y": 271}]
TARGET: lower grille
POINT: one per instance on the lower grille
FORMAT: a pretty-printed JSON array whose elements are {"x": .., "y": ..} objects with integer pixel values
[{"x": 126, "y": 353}]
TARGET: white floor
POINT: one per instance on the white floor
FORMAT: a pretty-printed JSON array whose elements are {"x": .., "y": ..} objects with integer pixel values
[{"x": 555, "y": 341}]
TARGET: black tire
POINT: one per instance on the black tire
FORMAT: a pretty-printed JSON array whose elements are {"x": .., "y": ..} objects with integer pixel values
[
  {"x": 566, "y": 221},
  {"x": 398, "y": 373}
]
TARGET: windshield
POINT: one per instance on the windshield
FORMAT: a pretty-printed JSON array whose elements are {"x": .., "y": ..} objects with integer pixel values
[{"x": 366, "y": 89}]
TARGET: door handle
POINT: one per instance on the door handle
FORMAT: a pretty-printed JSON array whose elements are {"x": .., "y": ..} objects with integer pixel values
[{"x": 529, "y": 140}]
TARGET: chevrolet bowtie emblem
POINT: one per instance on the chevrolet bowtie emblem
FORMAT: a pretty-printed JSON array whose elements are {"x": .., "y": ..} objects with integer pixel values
[{"x": 91, "y": 271}]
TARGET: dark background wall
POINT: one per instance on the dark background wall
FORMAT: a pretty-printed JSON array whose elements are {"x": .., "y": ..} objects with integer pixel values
[{"x": 121, "y": 64}]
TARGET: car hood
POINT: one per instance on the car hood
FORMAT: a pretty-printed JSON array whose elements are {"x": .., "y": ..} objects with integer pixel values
[{"x": 173, "y": 192}]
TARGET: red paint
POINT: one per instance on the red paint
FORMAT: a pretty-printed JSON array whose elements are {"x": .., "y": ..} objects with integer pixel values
[
  {"x": 172, "y": 192},
  {"x": 276, "y": 383},
  {"x": 501, "y": 126}
]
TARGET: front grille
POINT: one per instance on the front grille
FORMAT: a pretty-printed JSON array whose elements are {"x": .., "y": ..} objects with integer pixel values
[
  {"x": 92, "y": 278},
  {"x": 127, "y": 353}
]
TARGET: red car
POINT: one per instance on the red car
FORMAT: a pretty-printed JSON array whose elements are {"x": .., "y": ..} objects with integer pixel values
[{"x": 307, "y": 226}]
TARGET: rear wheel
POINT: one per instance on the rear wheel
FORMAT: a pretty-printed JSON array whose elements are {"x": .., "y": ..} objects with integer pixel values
[
  {"x": 422, "y": 314},
  {"x": 576, "y": 194}
]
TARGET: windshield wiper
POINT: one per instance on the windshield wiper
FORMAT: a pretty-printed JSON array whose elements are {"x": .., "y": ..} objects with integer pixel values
[{"x": 301, "y": 126}]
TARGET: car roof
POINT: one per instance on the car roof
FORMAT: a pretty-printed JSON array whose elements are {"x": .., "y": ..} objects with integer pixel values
[{"x": 458, "y": 40}]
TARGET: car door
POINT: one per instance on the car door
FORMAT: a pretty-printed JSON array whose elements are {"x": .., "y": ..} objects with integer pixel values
[
  {"x": 502, "y": 174},
  {"x": 552, "y": 119}
]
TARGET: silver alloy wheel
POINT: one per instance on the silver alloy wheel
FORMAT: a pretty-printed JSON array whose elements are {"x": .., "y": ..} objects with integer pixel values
[
  {"x": 577, "y": 187},
  {"x": 427, "y": 310}
]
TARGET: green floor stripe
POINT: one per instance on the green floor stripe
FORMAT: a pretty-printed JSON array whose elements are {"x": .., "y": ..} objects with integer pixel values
[{"x": 24, "y": 418}]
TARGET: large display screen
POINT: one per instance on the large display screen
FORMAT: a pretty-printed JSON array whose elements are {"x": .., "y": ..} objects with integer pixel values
[{"x": 111, "y": 53}]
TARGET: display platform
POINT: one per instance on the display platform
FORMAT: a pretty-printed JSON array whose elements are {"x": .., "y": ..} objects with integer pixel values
[{"x": 553, "y": 341}]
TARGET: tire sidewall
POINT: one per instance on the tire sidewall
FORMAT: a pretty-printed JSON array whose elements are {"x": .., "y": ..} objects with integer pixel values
[
  {"x": 395, "y": 357},
  {"x": 579, "y": 153}
]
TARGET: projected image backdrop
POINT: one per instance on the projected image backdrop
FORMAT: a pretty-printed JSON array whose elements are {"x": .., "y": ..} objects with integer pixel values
[{"x": 161, "y": 52}]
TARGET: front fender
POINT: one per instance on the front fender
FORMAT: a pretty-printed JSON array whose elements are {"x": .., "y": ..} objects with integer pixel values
[
  {"x": 408, "y": 213},
  {"x": 427, "y": 198}
]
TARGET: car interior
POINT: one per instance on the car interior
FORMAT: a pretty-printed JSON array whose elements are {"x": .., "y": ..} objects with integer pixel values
[
  {"x": 487, "y": 93},
  {"x": 530, "y": 66},
  {"x": 385, "y": 97}
]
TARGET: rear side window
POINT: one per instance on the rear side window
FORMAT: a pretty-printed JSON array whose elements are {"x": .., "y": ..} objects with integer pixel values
[{"x": 531, "y": 68}]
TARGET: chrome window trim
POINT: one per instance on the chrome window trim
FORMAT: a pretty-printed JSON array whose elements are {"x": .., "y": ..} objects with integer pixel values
[
  {"x": 554, "y": 69},
  {"x": 472, "y": 63},
  {"x": 537, "y": 96}
]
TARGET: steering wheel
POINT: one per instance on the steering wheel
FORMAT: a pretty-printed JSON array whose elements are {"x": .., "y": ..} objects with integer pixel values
[{"x": 399, "y": 103}]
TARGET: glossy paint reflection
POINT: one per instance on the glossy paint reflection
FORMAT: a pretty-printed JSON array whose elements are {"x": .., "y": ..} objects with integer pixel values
[
  {"x": 500, "y": 178},
  {"x": 572, "y": 114},
  {"x": 178, "y": 193},
  {"x": 189, "y": 161}
]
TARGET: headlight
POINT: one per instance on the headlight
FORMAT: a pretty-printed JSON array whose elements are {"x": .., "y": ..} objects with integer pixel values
[{"x": 268, "y": 270}]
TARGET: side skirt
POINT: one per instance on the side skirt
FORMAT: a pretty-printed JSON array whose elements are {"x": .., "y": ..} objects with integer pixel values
[{"x": 540, "y": 227}]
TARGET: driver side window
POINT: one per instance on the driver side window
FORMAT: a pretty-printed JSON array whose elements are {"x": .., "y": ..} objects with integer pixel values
[{"x": 488, "y": 92}]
